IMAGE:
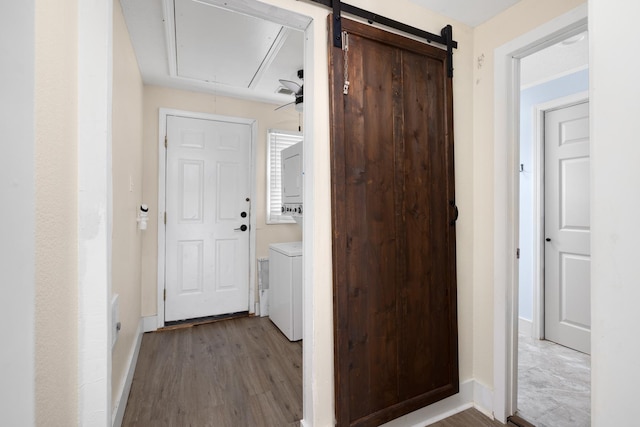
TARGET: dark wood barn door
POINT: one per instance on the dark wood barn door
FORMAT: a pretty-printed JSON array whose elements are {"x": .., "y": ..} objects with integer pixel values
[{"x": 396, "y": 344}]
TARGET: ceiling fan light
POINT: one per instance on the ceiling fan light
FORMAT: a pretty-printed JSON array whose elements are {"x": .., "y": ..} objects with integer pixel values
[
  {"x": 573, "y": 40},
  {"x": 285, "y": 91}
]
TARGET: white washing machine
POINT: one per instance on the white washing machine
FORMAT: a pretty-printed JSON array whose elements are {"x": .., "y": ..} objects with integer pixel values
[{"x": 285, "y": 288}]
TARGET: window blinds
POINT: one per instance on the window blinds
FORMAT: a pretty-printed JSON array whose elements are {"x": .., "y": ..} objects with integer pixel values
[{"x": 277, "y": 140}]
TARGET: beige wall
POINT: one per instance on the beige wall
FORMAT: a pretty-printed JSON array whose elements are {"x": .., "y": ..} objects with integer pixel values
[
  {"x": 155, "y": 98},
  {"x": 515, "y": 21},
  {"x": 127, "y": 197},
  {"x": 56, "y": 187},
  {"x": 56, "y": 299}
]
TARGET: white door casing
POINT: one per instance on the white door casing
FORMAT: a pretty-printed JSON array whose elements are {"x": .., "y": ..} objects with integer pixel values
[
  {"x": 207, "y": 190},
  {"x": 567, "y": 227},
  {"x": 505, "y": 204}
]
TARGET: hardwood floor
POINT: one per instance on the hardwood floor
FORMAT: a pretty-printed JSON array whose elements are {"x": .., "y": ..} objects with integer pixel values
[
  {"x": 469, "y": 418},
  {"x": 239, "y": 372},
  {"x": 232, "y": 373}
]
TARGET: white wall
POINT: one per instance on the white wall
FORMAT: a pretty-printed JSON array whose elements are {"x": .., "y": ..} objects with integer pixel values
[
  {"x": 615, "y": 197},
  {"x": 17, "y": 218},
  {"x": 56, "y": 228}
]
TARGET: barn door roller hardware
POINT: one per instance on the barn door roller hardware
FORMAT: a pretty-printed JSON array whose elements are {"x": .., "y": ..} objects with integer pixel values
[{"x": 445, "y": 38}]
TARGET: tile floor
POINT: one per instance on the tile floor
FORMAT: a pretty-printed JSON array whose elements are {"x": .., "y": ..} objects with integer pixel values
[{"x": 554, "y": 384}]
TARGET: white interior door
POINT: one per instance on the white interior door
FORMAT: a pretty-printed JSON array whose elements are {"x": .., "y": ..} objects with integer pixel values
[
  {"x": 567, "y": 228},
  {"x": 208, "y": 208}
]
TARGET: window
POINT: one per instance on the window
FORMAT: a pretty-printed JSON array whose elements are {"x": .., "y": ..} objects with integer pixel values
[{"x": 277, "y": 140}]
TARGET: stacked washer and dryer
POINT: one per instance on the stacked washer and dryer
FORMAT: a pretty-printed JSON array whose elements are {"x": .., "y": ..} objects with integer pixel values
[{"x": 285, "y": 259}]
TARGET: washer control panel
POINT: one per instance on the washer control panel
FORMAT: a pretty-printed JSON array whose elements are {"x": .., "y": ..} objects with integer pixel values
[{"x": 293, "y": 209}]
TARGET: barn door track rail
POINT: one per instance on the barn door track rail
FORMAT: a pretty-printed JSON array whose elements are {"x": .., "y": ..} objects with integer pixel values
[{"x": 445, "y": 38}]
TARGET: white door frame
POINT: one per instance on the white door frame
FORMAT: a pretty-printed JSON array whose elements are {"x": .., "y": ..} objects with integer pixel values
[
  {"x": 162, "y": 173},
  {"x": 506, "y": 197},
  {"x": 95, "y": 211},
  {"x": 539, "y": 111}
]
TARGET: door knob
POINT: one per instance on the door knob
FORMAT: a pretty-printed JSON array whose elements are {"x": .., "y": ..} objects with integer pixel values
[
  {"x": 242, "y": 228},
  {"x": 548, "y": 239}
]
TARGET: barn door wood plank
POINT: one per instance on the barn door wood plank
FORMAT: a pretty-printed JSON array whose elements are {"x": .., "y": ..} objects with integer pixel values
[{"x": 395, "y": 314}]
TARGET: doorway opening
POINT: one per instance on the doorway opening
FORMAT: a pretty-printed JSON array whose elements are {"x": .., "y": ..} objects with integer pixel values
[
  {"x": 288, "y": 25},
  {"x": 553, "y": 369},
  {"x": 507, "y": 176}
]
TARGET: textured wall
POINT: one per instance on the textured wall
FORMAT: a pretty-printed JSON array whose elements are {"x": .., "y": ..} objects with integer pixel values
[
  {"x": 56, "y": 315},
  {"x": 127, "y": 197}
]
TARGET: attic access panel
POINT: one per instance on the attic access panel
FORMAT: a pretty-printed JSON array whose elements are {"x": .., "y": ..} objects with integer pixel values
[{"x": 228, "y": 48}]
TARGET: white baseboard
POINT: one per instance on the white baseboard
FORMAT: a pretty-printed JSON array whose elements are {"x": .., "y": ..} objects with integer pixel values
[
  {"x": 465, "y": 399},
  {"x": 525, "y": 327},
  {"x": 483, "y": 399},
  {"x": 150, "y": 323},
  {"x": 121, "y": 405},
  {"x": 472, "y": 394}
]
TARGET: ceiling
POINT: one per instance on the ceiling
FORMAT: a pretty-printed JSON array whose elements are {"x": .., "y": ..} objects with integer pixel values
[
  {"x": 470, "y": 12},
  {"x": 241, "y": 48},
  {"x": 562, "y": 58},
  {"x": 202, "y": 45}
]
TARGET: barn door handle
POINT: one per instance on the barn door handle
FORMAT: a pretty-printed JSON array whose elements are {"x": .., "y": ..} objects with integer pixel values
[
  {"x": 455, "y": 218},
  {"x": 242, "y": 228}
]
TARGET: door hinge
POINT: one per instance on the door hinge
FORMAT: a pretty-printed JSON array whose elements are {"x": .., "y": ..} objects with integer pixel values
[
  {"x": 165, "y": 142},
  {"x": 518, "y": 253},
  {"x": 165, "y": 218},
  {"x": 164, "y": 296}
]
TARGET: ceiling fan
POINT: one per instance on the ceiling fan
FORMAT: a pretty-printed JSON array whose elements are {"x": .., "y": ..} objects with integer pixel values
[{"x": 295, "y": 89}]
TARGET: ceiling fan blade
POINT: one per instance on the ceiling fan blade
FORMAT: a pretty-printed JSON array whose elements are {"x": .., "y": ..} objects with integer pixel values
[
  {"x": 285, "y": 105},
  {"x": 292, "y": 86}
]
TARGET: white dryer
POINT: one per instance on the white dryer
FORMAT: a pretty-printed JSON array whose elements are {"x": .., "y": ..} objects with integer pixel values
[{"x": 285, "y": 288}]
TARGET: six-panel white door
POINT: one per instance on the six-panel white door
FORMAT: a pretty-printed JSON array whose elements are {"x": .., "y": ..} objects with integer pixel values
[
  {"x": 207, "y": 191},
  {"x": 567, "y": 228}
]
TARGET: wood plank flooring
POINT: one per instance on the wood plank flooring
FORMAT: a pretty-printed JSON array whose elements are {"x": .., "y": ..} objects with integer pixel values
[
  {"x": 469, "y": 418},
  {"x": 232, "y": 373},
  {"x": 239, "y": 372}
]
